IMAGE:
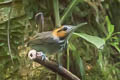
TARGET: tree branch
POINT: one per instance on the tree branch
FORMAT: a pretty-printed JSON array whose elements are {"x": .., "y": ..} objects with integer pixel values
[{"x": 35, "y": 56}]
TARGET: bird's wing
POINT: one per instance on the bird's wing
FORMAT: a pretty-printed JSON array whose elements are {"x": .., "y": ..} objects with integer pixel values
[{"x": 42, "y": 38}]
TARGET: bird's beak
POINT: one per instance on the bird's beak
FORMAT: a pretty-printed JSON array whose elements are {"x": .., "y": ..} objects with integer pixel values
[
  {"x": 73, "y": 28},
  {"x": 78, "y": 26}
]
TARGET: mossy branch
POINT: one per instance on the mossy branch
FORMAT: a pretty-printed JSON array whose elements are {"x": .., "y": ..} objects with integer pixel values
[{"x": 33, "y": 54}]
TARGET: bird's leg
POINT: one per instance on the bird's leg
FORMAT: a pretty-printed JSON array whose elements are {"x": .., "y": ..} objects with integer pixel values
[{"x": 42, "y": 55}]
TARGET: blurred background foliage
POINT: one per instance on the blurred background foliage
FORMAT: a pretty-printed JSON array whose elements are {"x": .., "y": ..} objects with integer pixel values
[{"x": 93, "y": 52}]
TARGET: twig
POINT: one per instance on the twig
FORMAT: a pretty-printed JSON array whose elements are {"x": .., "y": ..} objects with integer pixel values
[
  {"x": 39, "y": 16},
  {"x": 34, "y": 55},
  {"x": 8, "y": 35}
]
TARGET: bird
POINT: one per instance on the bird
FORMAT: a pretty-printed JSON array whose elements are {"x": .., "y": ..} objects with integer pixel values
[{"x": 51, "y": 42}]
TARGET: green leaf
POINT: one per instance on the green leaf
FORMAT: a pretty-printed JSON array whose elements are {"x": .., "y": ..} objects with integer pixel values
[
  {"x": 72, "y": 47},
  {"x": 98, "y": 42},
  {"x": 109, "y": 25},
  {"x": 69, "y": 9},
  {"x": 1, "y": 0},
  {"x": 79, "y": 65},
  {"x": 56, "y": 12},
  {"x": 116, "y": 46},
  {"x": 110, "y": 28},
  {"x": 1, "y": 44},
  {"x": 82, "y": 69}
]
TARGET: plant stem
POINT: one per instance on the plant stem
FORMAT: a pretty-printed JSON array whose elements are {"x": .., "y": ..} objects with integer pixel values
[{"x": 56, "y": 13}]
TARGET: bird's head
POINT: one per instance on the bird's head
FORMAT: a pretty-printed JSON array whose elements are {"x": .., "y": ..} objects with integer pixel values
[{"x": 63, "y": 31}]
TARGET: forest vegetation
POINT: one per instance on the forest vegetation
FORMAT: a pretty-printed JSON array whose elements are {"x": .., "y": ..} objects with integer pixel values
[{"x": 93, "y": 51}]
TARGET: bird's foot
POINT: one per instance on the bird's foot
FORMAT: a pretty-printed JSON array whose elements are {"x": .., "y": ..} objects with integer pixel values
[
  {"x": 59, "y": 66},
  {"x": 41, "y": 54}
]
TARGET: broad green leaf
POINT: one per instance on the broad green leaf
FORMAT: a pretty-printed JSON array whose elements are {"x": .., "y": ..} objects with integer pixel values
[
  {"x": 98, "y": 42},
  {"x": 110, "y": 28},
  {"x": 109, "y": 25}
]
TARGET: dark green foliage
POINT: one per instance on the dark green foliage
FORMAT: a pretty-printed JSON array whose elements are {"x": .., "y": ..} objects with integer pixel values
[{"x": 93, "y": 51}]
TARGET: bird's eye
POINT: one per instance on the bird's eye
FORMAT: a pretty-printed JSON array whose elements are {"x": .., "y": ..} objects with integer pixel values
[
  {"x": 65, "y": 28},
  {"x": 62, "y": 29}
]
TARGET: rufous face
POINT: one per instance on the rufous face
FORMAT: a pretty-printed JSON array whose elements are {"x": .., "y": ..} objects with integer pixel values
[{"x": 63, "y": 31}]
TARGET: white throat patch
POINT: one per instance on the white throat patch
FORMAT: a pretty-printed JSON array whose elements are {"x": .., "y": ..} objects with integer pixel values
[{"x": 58, "y": 39}]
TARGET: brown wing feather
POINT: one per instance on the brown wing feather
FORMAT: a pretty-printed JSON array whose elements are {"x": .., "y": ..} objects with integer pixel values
[{"x": 42, "y": 38}]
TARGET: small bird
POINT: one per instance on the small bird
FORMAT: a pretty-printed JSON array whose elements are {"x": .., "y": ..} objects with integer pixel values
[{"x": 52, "y": 41}]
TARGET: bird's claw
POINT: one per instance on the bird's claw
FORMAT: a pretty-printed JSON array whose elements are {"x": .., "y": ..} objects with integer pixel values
[
  {"x": 59, "y": 65},
  {"x": 41, "y": 54}
]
